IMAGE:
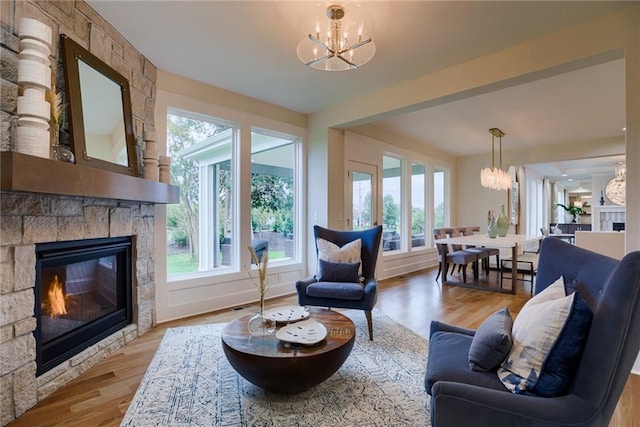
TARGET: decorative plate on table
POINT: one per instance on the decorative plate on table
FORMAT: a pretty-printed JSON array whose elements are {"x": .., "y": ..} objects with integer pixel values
[
  {"x": 306, "y": 332},
  {"x": 286, "y": 314}
]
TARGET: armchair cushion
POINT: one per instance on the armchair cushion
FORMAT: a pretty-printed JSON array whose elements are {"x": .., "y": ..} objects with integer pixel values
[
  {"x": 492, "y": 342},
  {"x": 338, "y": 271},
  {"x": 549, "y": 335},
  {"x": 336, "y": 290}
]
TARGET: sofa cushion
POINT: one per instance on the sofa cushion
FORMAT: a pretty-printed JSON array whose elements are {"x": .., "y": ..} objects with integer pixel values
[
  {"x": 492, "y": 341},
  {"x": 548, "y": 338},
  {"x": 590, "y": 296},
  {"x": 554, "y": 291},
  {"x": 562, "y": 362},
  {"x": 449, "y": 361},
  {"x": 337, "y": 271}
]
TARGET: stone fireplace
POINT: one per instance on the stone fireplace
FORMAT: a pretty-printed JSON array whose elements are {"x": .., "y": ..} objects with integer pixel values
[
  {"x": 29, "y": 220},
  {"x": 42, "y": 202}
]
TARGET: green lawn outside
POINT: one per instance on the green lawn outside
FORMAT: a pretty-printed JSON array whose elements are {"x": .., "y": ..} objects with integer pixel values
[
  {"x": 276, "y": 254},
  {"x": 182, "y": 263}
]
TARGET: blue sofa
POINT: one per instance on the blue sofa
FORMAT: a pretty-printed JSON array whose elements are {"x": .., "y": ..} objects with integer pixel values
[{"x": 611, "y": 288}]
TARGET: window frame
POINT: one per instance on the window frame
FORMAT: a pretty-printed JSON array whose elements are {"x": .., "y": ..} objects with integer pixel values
[
  {"x": 402, "y": 214},
  {"x": 425, "y": 185},
  {"x": 297, "y": 190},
  {"x": 242, "y": 150}
]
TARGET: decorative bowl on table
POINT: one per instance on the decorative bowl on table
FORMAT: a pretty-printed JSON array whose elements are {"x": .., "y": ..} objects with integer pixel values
[
  {"x": 287, "y": 314},
  {"x": 307, "y": 332}
]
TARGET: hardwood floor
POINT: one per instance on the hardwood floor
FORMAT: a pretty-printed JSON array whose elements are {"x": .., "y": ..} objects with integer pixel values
[{"x": 100, "y": 396}]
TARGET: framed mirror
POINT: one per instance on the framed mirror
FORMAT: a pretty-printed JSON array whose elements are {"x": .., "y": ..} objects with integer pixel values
[{"x": 99, "y": 111}]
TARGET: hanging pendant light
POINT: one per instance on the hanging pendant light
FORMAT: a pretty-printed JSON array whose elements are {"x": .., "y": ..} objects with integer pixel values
[
  {"x": 495, "y": 178},
  {"x": 617, "y": 187}
]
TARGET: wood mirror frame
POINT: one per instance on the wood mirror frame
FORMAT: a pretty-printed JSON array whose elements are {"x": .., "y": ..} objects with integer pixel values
[{"x": 99, "y": 111}]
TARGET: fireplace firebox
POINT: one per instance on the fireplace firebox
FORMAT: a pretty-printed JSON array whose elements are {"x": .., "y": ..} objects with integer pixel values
[{"x": 83, "y": 294}]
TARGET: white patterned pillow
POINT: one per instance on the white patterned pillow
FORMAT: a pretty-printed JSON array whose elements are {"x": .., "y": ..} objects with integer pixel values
[
  {"x": 553, "y": 291},
  {"x": 331, "y": 252},
  {"x": 349, "y": 253},
  {"x": 539, "y": 344}
]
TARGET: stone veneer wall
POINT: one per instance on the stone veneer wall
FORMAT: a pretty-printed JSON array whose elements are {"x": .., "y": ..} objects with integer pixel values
[
  {"x": 27, "y": 219},
  {"x": 81, "y": 23}
]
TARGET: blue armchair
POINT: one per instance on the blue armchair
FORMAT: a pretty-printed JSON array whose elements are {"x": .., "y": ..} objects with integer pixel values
[
  {"x": 611, "y": 288},
  {"x": 356, "y": 295}
]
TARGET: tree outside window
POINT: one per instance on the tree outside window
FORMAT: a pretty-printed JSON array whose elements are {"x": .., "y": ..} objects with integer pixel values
[
  {"x": 183, "y": 226},
  {"x": 391, "y": 202},
  {"x": 438, "y": 198},
  {"x": 418, "y": 177}
]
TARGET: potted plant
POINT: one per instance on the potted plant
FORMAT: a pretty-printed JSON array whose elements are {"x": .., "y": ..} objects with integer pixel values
[{"x": 575, "y": 211}]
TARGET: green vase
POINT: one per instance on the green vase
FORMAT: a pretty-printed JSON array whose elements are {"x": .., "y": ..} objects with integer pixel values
[
  {"x": 502, "y": 223},
  {"x": 492, "y": 228}
]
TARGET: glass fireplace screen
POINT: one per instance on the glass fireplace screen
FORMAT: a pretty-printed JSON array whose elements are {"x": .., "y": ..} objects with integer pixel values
[
  {"x": 83, "y": 294},
  {"x": 76, "y": 294}
]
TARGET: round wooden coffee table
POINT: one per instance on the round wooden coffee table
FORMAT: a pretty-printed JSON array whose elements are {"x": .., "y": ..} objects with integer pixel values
[{"x": 288, "y": 368}]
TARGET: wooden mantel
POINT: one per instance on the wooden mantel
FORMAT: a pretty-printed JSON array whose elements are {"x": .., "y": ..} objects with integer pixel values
[{"x": 30, "y": 174}]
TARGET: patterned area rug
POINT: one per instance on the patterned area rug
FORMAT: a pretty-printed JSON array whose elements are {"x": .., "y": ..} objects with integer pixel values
[{"x": 190, "y": 383}]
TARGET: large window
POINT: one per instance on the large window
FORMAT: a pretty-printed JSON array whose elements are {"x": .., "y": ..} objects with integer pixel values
[
  {"x": 197, "y": 228},
  {"x": 439, "y": 192},
  {"x": 273, "y": 204},
  {"x": 418, "y": 210},
  {"x": 391, "y": 203},
  {"x": 204, "y": 231}
]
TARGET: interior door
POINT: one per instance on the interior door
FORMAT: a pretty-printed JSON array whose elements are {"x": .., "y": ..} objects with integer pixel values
[{"x": 361, "y": 204}]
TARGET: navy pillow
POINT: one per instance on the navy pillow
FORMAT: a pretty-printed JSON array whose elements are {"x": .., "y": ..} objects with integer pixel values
[
  {"x": 492, "y": 341},
  {"x": 562, "y": 362},
  {"x": 570, "y": 287},
  {"x": 338, "y": 271}
]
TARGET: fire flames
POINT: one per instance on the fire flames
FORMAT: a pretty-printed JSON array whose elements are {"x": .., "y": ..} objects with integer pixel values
[{"x": 56, "y": 297}]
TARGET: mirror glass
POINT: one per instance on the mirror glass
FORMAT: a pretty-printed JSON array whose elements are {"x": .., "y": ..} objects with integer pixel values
[
  {"x": 99, "y": 108},
  {"x": 103, "y": 118}
]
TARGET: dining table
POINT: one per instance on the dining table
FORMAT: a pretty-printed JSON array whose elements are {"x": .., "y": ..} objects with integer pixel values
[{"x": 514, "y": 241}]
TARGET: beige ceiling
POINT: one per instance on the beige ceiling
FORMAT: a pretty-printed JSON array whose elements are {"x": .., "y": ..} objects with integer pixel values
[
  {"x": 249, "y": 47},
  {"x": 575, "y": 106}
]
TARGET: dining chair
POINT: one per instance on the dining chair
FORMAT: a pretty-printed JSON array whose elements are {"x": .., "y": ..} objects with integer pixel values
[
  {"x": 486, "y": 253},
  {"x": 527, "y": 265},
  {"x": 482, "y": 255},
  {"x": 459, "y": 257}
]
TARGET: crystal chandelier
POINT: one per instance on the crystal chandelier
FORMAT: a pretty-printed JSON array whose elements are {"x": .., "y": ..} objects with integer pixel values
[
  {"x": 495, "y": 178},
  {"x": 616, "y": 188},
  {"x": 340, "y": 40}
]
